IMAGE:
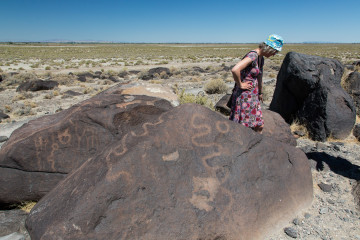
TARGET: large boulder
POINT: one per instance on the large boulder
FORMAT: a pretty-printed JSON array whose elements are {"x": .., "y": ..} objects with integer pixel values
[
  {"x": 274, "y": 125},
  {"x": 308, "y": 90},
  {"x": 186, "y": 174},
  {"x": 352, "y": 86},
  {"x": 37, "y": 85},
  {"x": 160, "y": 71},
  {"x": 40, "y": 154}
]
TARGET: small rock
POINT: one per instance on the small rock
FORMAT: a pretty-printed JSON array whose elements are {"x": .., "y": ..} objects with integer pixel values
[
  {"x": 291, "y": 232},
  {"x": 296, "y": 221},
  {"x": 321, "y": 146},
  {"x": 331, "y": 201},
  {"x": 324, "y": 210},
  {"x": 325, "y": 187},
  {"x": 3, "y": 139},
  {"x": 299, "y": 133},
  {"x": 307, "y": 215},
  {"x": 13, "y": 236}
]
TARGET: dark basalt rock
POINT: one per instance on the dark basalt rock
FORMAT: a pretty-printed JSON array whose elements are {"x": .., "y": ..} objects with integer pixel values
[
  {"x": 150, "y": 74},
  {"x": 82, "y": 76},
  {"x": 356, "y": 63},
  {"x": 185, "y": 174},
  {"x": 3, "y": 116},
  {"x": 356, "y": 131},
  {"x": 199, "y": 69},
  {"x": 134, "y": 71},
  {"x": 37, "y": 85},
  {"x": 123, "y": 74},
  {"x": 114, "y": 79},
  {"x": 72, "y": 93},
  {"x": 352, "y": 86},
  {"x": 221, "y": 105},
  {"x": 40, "y": 153},
  {"x": 308, "y": 89}
]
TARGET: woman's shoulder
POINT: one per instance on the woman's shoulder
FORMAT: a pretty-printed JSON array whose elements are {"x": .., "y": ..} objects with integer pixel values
[{"x": 252, "y": 55}]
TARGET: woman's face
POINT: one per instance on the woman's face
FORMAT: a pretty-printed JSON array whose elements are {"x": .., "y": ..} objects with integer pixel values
[{"x": 270, "y": 54}]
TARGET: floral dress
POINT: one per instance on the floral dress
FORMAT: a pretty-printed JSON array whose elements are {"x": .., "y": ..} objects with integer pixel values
[{"x": 245, "y": 105}]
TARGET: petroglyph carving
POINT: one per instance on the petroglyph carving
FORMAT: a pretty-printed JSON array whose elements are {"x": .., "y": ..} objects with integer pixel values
[
  {"x": 222, "y": 126},
  {"x": 171, "y": 157},
  {"x": 127, "y": 103},
  {"x": 145, "y": 127},
  {"x": 200, "y": 199},
  {"x": 204, "y": 192},
  {"x": 64, "y": 137}
]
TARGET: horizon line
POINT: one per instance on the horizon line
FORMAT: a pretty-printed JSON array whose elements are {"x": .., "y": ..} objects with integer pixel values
[{"x": 126, "y": 42}]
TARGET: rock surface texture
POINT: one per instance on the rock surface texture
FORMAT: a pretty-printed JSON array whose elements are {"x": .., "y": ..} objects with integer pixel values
[
  {"x": 352, "y": 86},
  {"x": 40, "y": 154},
  {"x": 37, "y": 85},
  {"x": 186, "y": 174},
  {"x": 308, "y": 90}
]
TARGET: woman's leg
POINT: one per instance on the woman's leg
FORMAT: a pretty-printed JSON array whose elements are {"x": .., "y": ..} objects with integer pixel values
[{"x": 259, "y": 128}]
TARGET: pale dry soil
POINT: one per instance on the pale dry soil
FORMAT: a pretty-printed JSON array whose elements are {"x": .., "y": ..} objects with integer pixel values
[{"x": 332, "y": 215}]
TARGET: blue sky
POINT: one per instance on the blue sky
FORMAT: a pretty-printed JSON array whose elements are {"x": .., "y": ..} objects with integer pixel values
[{"x": 179, "y": 21}]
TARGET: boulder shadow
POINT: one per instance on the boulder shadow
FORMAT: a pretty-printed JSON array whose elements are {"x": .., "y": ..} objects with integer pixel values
[{"x": 337, "y": 165}]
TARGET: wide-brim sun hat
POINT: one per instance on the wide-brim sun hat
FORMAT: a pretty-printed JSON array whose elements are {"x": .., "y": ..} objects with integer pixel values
[{"x": 275, "y": 41}]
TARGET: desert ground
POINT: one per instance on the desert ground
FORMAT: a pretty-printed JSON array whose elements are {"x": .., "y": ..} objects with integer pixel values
[{"x": 194, "y": 69}]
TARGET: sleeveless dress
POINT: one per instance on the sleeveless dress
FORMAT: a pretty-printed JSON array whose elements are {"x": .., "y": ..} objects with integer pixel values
[{"x": 245, "y": 105}]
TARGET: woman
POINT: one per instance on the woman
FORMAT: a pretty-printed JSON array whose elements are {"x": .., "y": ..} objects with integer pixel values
[{"x": 247, "y": 92}]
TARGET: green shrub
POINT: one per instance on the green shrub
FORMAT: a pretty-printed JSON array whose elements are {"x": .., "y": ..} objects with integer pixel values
[
  {"x": 191, "y": 98},
  {"x": 216, "y": 86},
  {"x": 47, "y": 68}
]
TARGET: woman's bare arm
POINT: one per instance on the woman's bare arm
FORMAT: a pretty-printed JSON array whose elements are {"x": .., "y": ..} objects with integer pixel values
[{"x": 236, "y": 73}]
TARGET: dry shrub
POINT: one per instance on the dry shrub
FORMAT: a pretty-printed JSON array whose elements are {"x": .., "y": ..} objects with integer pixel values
[
  {"x": 49, "y": 95},
  {"x": 30, "y": 104},
  {"x": 216, "y": 85},
  {"x": 27, "y": 206},
  {"x": 111, "y": 73},
  {"x": 24, "y": 111},
  {"x": 18, "y": 78},
  {"x": 195, "y": 79},
  {"x": 191, "y": 98},
  {"x": 7, "y": 108},
  {"x": 156, "y": 75},
  {"x": 267, "y": 92},
  {"x": 22, "y": 96},
  {"x": 173, "y": 70},
  {"x": 56, "y": 92},
  {"x": 164, "y": 75},
  {"x": 296, "y": 126},
  {"x": 349, "y": 139},
  {"x": 156, "y": 81},
  {"x": 64, "y": 79},
  {"x": 88, "y": 90},
  {"x": 272, "y": 75}
]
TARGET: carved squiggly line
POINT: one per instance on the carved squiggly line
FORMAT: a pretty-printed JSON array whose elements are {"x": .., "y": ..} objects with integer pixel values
[
  {"x": 145, "y": 127},
  {"x": 222, "y": 127},
  {"x": 124, "y": 105},
  {"x": 115, "y": 151}
]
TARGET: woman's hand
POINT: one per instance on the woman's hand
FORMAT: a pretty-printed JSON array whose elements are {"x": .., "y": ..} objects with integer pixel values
[
  {"x": 245, "y": 85},
  {"x": 261, "y": 97}
]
